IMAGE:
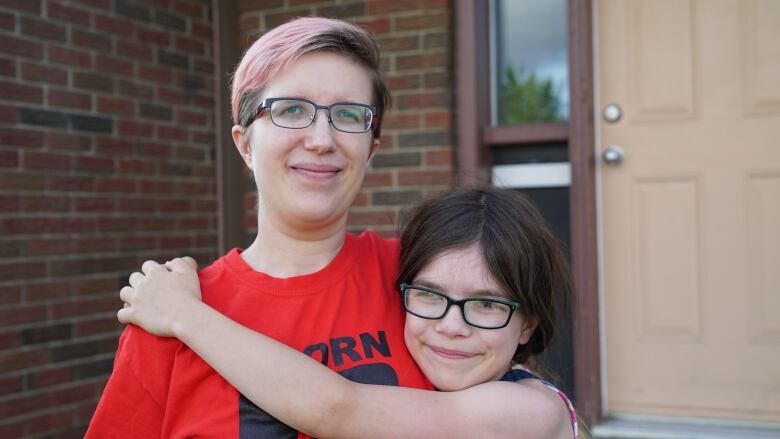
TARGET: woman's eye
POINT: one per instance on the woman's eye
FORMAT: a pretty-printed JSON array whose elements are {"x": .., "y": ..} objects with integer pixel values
[
  {"x": 347, "y": 115},
  {"x": 295, "y": 109}
]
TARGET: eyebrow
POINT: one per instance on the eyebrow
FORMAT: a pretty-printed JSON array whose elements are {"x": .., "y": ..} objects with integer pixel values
[{"x": 473, "y": 294}]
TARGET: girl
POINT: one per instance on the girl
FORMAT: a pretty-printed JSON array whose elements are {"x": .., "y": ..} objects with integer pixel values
[{"x": 480, "y": 277}]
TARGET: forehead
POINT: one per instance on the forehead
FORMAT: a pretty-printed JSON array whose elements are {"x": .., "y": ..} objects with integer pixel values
[
  {"x": 323, "y": 77},
  {"x": 461, "y": 273}
]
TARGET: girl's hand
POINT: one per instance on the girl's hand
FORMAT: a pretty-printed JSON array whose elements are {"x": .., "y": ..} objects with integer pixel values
[{"x": 160, "y": 299}]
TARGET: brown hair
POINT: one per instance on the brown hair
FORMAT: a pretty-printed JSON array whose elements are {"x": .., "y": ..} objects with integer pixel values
[{"x": 518, "y": 248}]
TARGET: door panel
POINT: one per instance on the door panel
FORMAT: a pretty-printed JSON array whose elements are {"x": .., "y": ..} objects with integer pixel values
[{"x": 691, "y": 218}]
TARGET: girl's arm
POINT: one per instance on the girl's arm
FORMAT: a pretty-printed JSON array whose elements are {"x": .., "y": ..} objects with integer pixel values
[{"x": 310, "y": 397}]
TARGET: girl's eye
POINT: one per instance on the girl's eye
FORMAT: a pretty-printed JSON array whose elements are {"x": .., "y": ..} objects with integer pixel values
[{"x": 294, "y": 109}]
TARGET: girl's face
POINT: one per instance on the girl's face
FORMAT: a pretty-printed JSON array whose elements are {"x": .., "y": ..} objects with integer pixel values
[
  {"x": 453, "y": 354},
  {"x": 307, "y": 178}
]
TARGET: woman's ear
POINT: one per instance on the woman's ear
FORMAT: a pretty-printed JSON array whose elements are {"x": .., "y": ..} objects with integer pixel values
[
  {"x": 374, "y": 148},
  {"x": 241, "y": 140}
]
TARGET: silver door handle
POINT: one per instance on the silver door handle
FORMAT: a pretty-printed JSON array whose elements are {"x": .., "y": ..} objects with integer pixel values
[{"x": 613, "y": 155}]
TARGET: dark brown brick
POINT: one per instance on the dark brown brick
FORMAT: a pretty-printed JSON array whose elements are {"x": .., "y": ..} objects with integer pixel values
[
  {"x": 68, "y": 99},
  {"x": 115, "y": 25},
  {"x": 42, "y": 29},
  {"x": 15, "y": 137},
  {"x": 7, "y": 67},
  {"x": 47, "y": 74},
  {"x": 93, "y": 81},
  {"x": 19, "y": 92},
  {"x": 45, "y": 160},
  {"x": 67, "y": 13},
  {"x": 63, "y": 55},
  {"x": 396, "y": 198},
  {"x": 105, "y": 63},
  {"x": 91, "y": 39},
  {"x": 21, "y": 47},
  {"x": 106, "y": 104},
  {"x": 425, "y": 138}
]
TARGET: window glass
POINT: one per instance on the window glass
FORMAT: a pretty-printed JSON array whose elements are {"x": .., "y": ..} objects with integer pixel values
[{"x": 530, "y": 81}]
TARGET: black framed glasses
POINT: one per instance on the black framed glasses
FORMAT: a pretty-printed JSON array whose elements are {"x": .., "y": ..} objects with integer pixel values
[
  {"x": 296, "y": 113},
  {"x": 485, "y": 313}
]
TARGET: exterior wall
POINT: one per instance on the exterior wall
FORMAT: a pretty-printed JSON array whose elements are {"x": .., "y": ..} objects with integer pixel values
[
  {"x": 106, "y": 160},
  {"x": 416, "y": 157}
]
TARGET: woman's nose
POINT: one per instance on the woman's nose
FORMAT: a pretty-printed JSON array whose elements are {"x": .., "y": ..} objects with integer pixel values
[{"x": 321, "y": 133}]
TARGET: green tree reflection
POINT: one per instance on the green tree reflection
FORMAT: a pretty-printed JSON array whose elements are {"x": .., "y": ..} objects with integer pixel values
[{"x": 528, "y": 100}]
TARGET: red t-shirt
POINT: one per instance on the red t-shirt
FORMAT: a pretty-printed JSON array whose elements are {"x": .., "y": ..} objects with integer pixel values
[{"x": 347, "y": 316}]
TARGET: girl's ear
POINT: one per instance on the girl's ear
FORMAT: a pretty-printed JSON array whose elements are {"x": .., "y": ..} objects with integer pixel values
[
  {"x": 241, "y": 140},
  {"x": 529, "y": 326}
]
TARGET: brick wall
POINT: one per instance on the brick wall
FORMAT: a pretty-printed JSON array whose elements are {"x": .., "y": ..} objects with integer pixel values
[
  {"x": 106, "y": 159},
  {"x": 416, "y": 156}
]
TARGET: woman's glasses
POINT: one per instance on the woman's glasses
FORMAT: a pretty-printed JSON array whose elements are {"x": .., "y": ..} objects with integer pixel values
[{"x": 295, "y": 113}]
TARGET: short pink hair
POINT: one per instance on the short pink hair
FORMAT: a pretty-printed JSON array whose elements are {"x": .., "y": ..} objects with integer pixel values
[{"x": 282, "y": 45}]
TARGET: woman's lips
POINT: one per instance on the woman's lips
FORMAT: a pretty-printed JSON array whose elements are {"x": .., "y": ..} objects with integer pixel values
[
  {"x": 317, "y": 171},
  {"x": 451, "y": 354}
]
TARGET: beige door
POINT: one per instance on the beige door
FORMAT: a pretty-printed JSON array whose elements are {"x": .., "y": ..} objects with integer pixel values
[{"x": 691, "y": 217}]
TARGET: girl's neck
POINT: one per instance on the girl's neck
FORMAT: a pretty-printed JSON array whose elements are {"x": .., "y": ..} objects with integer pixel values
[{"x": 286, "y": 252}]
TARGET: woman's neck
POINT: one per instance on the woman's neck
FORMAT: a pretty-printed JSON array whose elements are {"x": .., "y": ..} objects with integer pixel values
[{"x": 285, "y": 252}]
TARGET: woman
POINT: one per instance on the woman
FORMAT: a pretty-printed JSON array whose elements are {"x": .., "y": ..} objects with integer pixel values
[
  {"x": 480, "y": 276},
  {"x": 307, "y": 102}
]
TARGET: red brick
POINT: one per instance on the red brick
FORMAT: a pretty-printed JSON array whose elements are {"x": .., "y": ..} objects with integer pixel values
[
  {"x": 92, "y": 204},
  {"x": 374, "y": 179},
  {"x": 16, "y": 360},
  {"x": 379, "y": 217},
  {"x": 116, "y": 224},
  {"x": 175, "y": 242},
  {"x": 124, "y": 107},
  {"x": 112, "y": 146},
  {"x": 68, "y": 99},
  {"x": 20, "y": 47},
  {"x": 91, "y": 40},
  {"x": 134, "y": 89},
  {"x": 428, "y": 177},
  {"x": 383, "y": 6},
  {"x": 89, "y": 286},
  {"x": 69, "y": 267},
  {"x": 7, "y": 21},
  {"x": 94, "y": 245},
  {"x": 26, "y": 181},
  {"x": 8, "y": 203},
  {"x": 114, "y": 25},
  {"x": 43, "y": 29},
  {"x": 137, "y": 242},
  {"x": 45, "y": 203},
  {"x": 69, "y": 142},
  {"x": 202, "y": 31},
  {"x": 104, "y": 63},
  {"x": 7, "y": 67},
  {"x": 102, "y": 4},
  {"x": 22, "y": 314},
  {"x": 138, "y": 51},
  {"x": 97, "y": 326},
  {"x": 69, "y": 225},
  {"x": 69, "y": 183},
  {"x": 377, "y": 25},
  {"x": 205, "y": 66},
  {"x": 412, "y": 62},
  {"x": 171, "y": 133},
  {"x": 188, "y": 8},
  {"x": 171, "y": 96},
  {"x": 135, "y": 129},
  {"x": 10, "y": 384},
  {"x": 67, "y": 13},
  {"x": 192, "y": 117},
  {"x": 20, "y": 226},
  {"x": 63, "y": 55},
  {"x": 115, "y": 184},
  {"x": 137, "y": 167},
  {"x": 153, "y": 73},
  {"x": 189, "y": 45},
  {"x": 95, "y": 164},
  {"x": 45, "y": 160},
  {"x": 438, "y": 119},
  {"x": 156, "y": 150},
  {"x": 19, "y": 92},
  {"x": 51, "y": 376},
  {"x": 9, "y": 159},
  {"x": 394, "y": 120},
  {"x": 148, "y": 35},
  {"x": 422, "y": 100},
  {"x": 51, "y": 246}
]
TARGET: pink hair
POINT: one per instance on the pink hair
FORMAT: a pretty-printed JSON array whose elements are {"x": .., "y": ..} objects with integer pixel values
[{"x": 272, "y": 52}]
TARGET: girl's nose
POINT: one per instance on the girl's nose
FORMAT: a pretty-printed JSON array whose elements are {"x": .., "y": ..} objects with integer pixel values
[{"x": 453, "y": 324}]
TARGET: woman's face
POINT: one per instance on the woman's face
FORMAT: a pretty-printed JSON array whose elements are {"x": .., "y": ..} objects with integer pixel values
[
  {"x": 453, "y": 354},
  {"x": 307, "y": 178}
]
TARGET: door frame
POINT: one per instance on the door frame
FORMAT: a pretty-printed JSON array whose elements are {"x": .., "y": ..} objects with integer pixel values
[{"x": 476, "y": 136}]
